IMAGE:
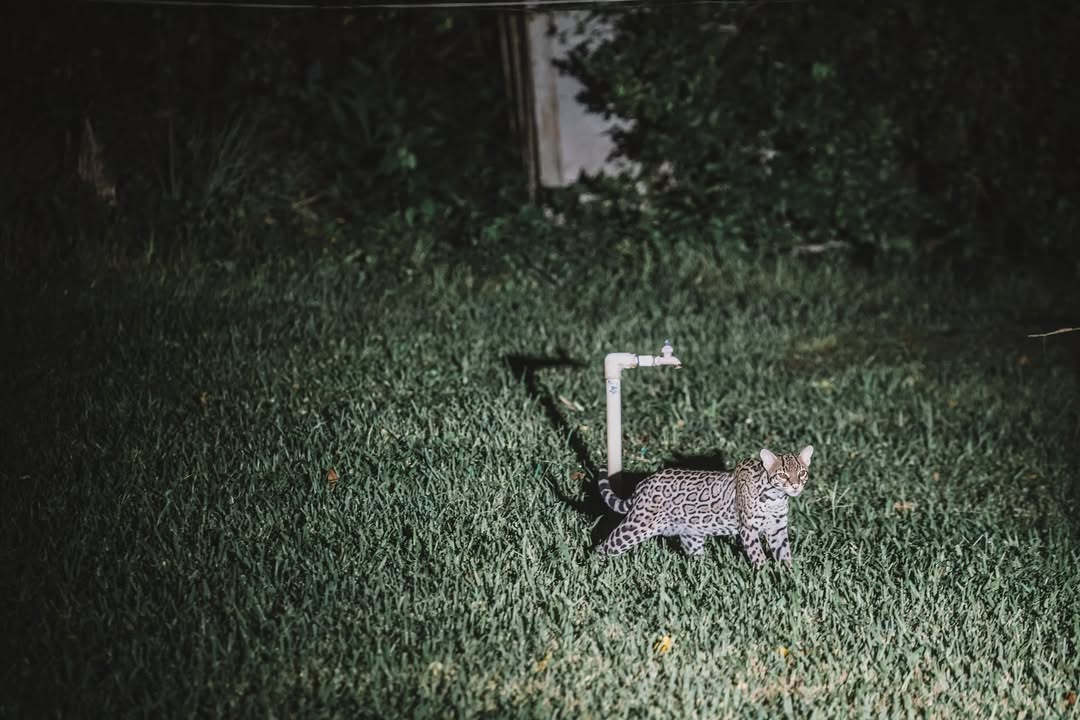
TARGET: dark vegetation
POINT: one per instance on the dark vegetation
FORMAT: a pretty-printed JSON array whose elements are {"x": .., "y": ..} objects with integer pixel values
[
  {"x": 939, "y": 131},
  {"x": 229, "y": 132},
  {"x": 933, "y": 129},
  {"x": 299, "y": 405}
]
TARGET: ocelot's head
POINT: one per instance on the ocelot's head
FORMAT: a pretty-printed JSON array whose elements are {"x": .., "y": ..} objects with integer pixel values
[{"x": 788, "y": 472}]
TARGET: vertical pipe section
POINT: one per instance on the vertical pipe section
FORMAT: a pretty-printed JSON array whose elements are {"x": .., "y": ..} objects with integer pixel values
[
  {"x": 614, "y": 427},
  {"x": 614, "y": 364}
]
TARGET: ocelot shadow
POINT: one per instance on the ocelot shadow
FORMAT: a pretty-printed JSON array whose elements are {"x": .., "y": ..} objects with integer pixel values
[{"x": 588, "y": 501}]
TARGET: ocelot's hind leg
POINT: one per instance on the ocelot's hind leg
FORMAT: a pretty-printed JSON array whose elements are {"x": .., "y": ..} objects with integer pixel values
[
  {"x": 692, "y": 544},
  {"x": 625, "y": 536}
]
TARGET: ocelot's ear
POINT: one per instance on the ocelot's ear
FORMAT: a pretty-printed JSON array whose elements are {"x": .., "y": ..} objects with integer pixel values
[
  {"x": 804, "y": 455},
  {"x": 768, "y": 459}
]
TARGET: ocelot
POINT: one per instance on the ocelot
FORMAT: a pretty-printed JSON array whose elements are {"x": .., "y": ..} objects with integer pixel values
[{"x": 692, "y": 505}]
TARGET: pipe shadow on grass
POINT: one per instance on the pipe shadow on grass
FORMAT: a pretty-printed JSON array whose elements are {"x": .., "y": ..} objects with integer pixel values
[
  {"x": 525, "y": 367},
  {"x": 588, "y": 502}
]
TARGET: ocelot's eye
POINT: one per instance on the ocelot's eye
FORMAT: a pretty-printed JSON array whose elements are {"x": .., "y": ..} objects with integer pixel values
[
  {"x": 782, "y": 476},
  {"x": 802, "y": 474}
]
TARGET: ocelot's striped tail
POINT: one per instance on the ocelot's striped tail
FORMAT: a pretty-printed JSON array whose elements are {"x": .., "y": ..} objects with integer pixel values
[{"x": 612, "y": 500}]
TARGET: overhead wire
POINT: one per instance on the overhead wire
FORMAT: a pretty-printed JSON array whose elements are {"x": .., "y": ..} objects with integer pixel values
[{"x": 448, "y": 5}]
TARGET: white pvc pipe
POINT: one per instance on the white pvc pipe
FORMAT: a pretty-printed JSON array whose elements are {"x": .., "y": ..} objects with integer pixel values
[{"x": 614, "y": 364}]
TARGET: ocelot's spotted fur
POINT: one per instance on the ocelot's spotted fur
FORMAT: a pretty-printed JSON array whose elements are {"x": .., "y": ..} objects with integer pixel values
[{"x": 694, "y": 504}]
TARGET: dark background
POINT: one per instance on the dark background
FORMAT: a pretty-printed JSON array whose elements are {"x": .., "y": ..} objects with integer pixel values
[
  {"x": 242, "y": 248},
  {"x": 912, "y": 129}
]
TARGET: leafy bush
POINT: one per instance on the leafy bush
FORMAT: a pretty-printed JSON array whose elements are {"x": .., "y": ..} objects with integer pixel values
[
  {"x": 899, "y": 127},
  {"x": 909, "y": 127},
  {"x": 395, "y": 106}
]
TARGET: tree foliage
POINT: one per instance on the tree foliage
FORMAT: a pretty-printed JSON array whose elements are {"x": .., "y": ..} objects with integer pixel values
[
  {"x": 906, "y": 127},
  {"x": 227, "y": 127},
  {"x": 915, "y": 125}
]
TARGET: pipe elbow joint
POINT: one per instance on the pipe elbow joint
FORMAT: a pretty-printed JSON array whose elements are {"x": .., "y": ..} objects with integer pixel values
[{"x": 615, "y": 363}]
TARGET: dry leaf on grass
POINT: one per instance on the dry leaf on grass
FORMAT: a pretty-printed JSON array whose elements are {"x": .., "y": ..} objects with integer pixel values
[
  {"x": 331, "y": 478},
  {"x": 571, "y": 403},
  {"x": 904, "y": 506},
  {"x": 663, "y": 645}
]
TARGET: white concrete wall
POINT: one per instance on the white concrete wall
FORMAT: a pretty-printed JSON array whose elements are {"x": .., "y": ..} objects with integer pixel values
[{"x": 571, "y": 141}]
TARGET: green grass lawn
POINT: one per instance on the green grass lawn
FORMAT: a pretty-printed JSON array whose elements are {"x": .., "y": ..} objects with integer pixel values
[{"x": 172, "y": 545}]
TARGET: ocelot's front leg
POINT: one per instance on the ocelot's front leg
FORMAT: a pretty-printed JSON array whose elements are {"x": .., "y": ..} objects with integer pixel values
[
  {"x": 751, "y": 542},
  {"x": 778, "y": 543}
]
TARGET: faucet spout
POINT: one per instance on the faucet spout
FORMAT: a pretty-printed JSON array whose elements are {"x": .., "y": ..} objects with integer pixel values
[{"x": 666, "y": 357}]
